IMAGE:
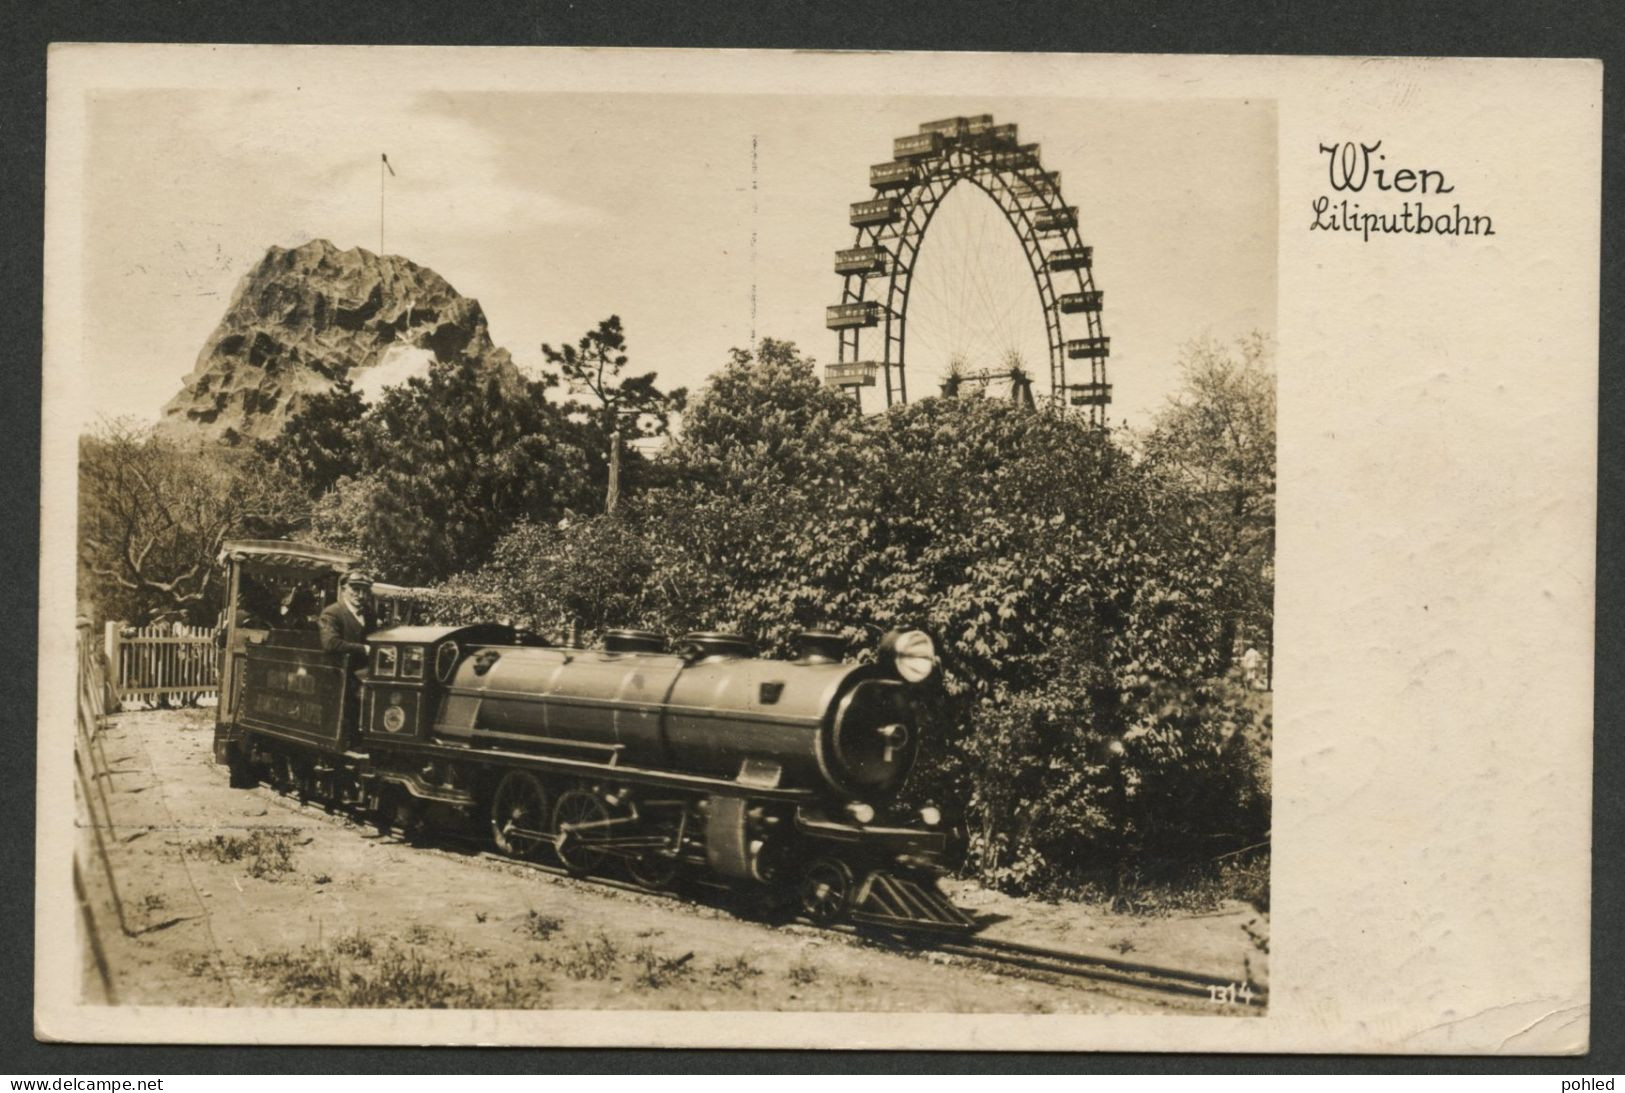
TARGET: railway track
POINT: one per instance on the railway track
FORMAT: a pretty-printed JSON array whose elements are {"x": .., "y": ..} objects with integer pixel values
[
  {"x": 1054, "y": 963},
  {"x": 1104, "y": 969},
  {"x": 1032, "y": 959}
]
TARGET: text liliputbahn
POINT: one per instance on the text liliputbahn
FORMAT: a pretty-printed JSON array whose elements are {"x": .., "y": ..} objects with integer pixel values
[{"x": 1352, "y": 166}]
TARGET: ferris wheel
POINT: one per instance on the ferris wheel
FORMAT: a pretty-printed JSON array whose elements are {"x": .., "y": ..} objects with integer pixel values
[{"x": 964, "y": 307}]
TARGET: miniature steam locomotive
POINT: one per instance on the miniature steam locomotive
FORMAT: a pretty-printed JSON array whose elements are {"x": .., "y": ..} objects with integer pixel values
[{"x": 695, "y": 758}]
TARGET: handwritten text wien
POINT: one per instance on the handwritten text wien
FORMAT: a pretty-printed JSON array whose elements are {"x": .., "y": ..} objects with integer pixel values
[{"x": 1353, "y": 166}]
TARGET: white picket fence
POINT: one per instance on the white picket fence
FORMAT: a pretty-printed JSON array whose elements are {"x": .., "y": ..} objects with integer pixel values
[{"x": 173, "y": 661}]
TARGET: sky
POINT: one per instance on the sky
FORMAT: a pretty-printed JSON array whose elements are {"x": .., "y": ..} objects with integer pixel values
[{"x": 703, "y": 221}]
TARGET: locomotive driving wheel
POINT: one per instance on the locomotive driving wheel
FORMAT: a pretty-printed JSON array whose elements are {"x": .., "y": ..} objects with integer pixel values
[
  {"x": 826, "y": 890},
  {"x": 581, "y": 818},
  {"x": 652, "y": 869},
  {"x": 519, "y": 815}
]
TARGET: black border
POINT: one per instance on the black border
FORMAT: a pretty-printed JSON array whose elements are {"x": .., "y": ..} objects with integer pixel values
[{"x": 1507, "y": 28}]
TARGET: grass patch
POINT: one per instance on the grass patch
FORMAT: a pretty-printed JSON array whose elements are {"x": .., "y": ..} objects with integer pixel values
[
  {"x": 735, "y": 973},
  {"x": 803, "y": 973},
  {"x": 601, "y": 957},
  {"x": 1204, "y": 886},
  {"x": 540, "y": 926},
  {"x": 267, "y": 850},
  {"x": 658, "y": 971},
  {"x": 353, "y": 973},
  {"x": 355, "y": 945},
  {"x": 1177, "y": 887},
  {"x": 594, "y": 958}
]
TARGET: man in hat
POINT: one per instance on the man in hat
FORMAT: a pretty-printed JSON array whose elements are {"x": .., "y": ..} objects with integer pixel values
[{"x": 344, "y": 627}]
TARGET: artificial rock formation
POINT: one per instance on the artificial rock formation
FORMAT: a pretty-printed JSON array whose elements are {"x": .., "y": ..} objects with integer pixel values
[{"x": 305, "y": 318}]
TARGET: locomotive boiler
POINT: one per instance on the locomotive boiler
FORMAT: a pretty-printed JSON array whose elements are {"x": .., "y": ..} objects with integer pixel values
[
  {"x": 694, "y": 758},
  {"x": 711, "y": 708}
]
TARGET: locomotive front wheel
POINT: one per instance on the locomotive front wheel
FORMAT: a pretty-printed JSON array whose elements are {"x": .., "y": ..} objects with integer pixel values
[
  {"x": 519, "y": 814},
  {"x": 580, "y": 808},
  {"x": 826, "y": 890}
]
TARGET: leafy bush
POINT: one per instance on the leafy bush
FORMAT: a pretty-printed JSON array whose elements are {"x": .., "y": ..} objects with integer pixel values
[{"x": 595, "y": 572}]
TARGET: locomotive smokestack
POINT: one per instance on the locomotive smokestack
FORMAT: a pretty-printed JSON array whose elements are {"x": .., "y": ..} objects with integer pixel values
[{"x": 821, "y": 646}]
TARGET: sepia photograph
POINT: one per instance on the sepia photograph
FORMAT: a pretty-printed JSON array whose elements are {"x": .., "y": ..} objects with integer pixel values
[
  {"x": 632, "y": 554},
  {"x": 640, "y": 552}
]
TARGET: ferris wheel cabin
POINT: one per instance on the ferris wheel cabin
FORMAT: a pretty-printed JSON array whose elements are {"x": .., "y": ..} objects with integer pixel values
[
  {"x": 1071, "y": 258},
  {"x": 978, "y": 126},
  {"x": 1074, "y": 302},
  {"x": 954, "y": 128},
  {"x": 882, "y": 210},
  {"x": 846, "y": 316},
  {"x": 1016, "y": 159},
  {"x": 892, "y": 176},
  {"x": 1037, "y": 183},
  {"x": 861, "y": 260},
  {"x": 851, "y": 373},
  {"x": 1089, "y": 394},
  {"x": 1056, "y": 220},
  {"x": 916, "y": 145},
  {"x": 1090, "y": 348}
]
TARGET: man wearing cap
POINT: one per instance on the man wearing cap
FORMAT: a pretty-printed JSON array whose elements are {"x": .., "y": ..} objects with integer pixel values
[{"x": 344, "y": 625}]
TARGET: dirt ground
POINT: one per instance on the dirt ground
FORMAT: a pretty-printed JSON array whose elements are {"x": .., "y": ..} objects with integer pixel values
[{"x": 247, "y": 898}]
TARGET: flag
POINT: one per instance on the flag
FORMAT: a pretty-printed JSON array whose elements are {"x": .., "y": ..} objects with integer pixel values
[{"x": 385, "y": 158}]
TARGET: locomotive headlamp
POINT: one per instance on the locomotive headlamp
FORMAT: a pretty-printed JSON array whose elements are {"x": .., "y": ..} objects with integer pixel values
[
  {"x": 861, "y": 812},
  {"x": 912, "y": 653},
  {"x": 931, "y": 815}
]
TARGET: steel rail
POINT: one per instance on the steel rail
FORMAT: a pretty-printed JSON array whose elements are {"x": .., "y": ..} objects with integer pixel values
[
  {"x": 1055, "y": 962},
  {"x": 1106, "y": 969}
]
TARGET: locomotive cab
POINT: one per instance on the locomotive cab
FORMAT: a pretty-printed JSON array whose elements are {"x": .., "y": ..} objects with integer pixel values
[
  {"x": 272, "y": 670},
  {"x": 282, "y": 698}
]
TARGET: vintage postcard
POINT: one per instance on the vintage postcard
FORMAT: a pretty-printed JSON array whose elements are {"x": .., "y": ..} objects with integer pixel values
[{"x": 713, "y": 548}]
